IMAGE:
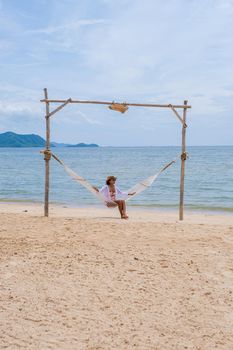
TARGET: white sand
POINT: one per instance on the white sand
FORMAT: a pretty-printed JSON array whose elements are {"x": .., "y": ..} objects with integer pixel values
[{"x": 84, "y": 279}]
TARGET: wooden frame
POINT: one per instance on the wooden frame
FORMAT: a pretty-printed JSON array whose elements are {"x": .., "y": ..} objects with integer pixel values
[{"x": 63, "y": 103}]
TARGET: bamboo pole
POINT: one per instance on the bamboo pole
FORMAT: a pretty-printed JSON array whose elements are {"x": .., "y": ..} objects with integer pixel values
[
  {"x": 59, "y": 107},
  {"x": 47, "y": 157},
  {"x": 183, "y": 159},
  {"x": 177, "y": 114},
  {"x": 123, "y": 103}
]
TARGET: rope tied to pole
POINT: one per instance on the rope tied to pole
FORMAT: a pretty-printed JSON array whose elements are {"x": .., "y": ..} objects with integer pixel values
[
  {"x": 47, "y": 154},
  {"x": 184, "y": 156}
]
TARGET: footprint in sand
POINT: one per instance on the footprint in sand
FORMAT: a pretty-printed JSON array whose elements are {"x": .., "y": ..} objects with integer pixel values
[{"x": 163, "y": 263}]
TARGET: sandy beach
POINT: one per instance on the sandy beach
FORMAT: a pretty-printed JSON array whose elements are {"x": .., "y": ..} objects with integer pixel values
[{"x": 84, "y": 279}]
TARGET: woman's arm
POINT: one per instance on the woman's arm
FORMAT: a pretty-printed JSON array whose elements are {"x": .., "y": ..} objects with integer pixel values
[{"x": 121, "y": 194}]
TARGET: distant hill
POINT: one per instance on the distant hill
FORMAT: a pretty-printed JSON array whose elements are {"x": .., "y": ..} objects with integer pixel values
[
  {"x": 11, "y": 139},
  {"x": 56, "y": 144},
  {"x": 84, "y": 145}
]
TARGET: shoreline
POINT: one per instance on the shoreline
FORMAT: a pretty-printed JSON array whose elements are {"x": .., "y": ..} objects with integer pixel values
[
  {"x": 102, "y": 213},
  {"x": 137, "y": 207}
]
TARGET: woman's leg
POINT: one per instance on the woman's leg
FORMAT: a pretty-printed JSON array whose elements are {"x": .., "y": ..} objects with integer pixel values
[{"x": 122, "y": 208}]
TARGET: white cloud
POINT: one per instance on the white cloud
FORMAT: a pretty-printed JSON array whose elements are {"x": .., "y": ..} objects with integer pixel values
[
  {"x": 23, "y": 108},
  {"x": 68, "y": 27},
  {"x": 77, "y": 117},
  {"x": 88, "y": 119}
]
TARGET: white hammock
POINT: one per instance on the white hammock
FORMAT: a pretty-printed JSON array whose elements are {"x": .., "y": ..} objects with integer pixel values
[{"x": 138, "y": 188}]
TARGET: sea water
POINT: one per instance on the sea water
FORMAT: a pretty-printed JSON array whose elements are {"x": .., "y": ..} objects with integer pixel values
[{"x": 208, "y": 177}]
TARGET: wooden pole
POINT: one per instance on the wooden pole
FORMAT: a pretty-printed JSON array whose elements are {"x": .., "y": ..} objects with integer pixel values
[
  {"x": 183, "y": 159},
  {"x": 47, "y": 158}
]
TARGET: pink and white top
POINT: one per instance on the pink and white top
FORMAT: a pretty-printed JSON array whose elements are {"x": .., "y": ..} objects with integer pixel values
[{"x": 111, "y": 196}]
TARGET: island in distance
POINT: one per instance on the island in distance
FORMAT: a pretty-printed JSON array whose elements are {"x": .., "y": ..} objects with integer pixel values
[{"x": 11, "y": 139}]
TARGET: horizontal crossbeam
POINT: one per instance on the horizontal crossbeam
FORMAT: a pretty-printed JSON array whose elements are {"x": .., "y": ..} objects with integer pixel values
[{"x": 109, "y": 103}]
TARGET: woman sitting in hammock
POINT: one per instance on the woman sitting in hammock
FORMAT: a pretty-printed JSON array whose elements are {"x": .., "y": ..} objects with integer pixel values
[{"x": 114, "y": 196}]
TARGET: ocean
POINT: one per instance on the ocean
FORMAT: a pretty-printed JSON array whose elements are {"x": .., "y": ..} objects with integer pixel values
[{"x": 208, "y": 180}]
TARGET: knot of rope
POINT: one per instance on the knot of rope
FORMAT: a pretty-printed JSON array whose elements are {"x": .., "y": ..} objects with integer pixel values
[
  {"x": 47, "y": 154},
  {"x": 184, "y": 156}
]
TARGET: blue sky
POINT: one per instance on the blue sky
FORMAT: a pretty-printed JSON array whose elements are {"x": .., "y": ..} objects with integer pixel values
[{"x": 123, "y": 50}]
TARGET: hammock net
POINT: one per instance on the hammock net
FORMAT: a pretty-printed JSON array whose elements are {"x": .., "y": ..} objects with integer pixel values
[{"x": 136, "y": 189}]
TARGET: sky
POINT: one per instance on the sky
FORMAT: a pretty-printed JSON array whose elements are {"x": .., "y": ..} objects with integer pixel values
[{"x": 151, "y": 51}]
